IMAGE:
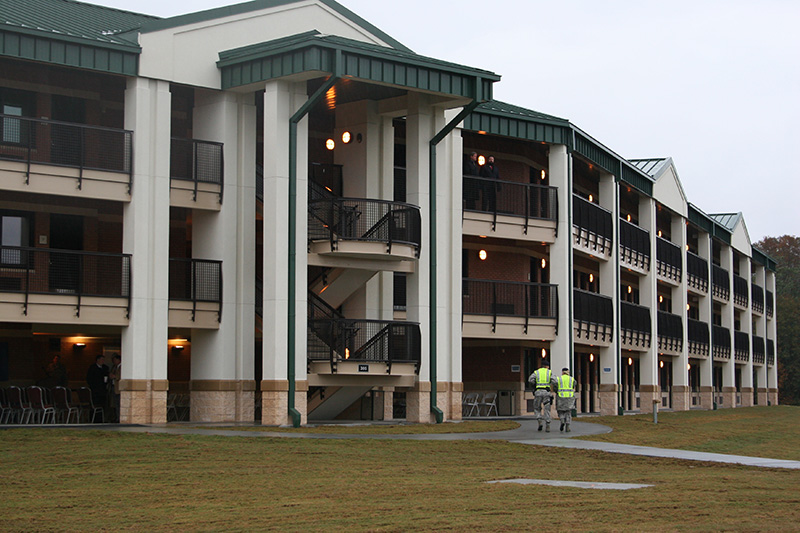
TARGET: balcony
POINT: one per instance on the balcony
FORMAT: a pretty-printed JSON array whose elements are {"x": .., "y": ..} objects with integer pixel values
[
  {"x": 61, "y": 286},
  {"x": 196, "y": 174},
  {"x": 592, "y": 228},
  {"x": 668, "y": 260},
  {"x": 699, "y": 338},
  {"x": 195, "y": 293},
  {"x": 66, "y": 159},
  {"x": 509, "y": 310},
  {"x": 741, "y": 346},
  {"x": 758, "y": 350},
  {"x": 770, "y": 301},
  {"x": 359, "y": 228},
  {"x": 721, "y": 342},
  {"x": 593, "y": 318},
  {"x": 770, "y": 352},
  {"x": 720, "y": 283},
  {"x": 740, "y": 297},
  {"x": 697, "y": 273},
  {"x": 670, "y": 333},
  {"x": 757, "y": 294},
  {"x": 509, "y": 209},
  {"x": 634, "y": 247},
  {"x": 344, "y": 351},
  {"x": 635, "y": 327}
]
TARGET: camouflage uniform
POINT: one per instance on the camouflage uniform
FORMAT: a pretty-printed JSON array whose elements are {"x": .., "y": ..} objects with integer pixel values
[
  {"x": 565, "y": 404},
  {"x": 541, "y": 396}
]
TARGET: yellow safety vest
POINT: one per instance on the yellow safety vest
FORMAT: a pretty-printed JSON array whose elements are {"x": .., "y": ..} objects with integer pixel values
[
  {"x": 543, "y": 377},
  {"x": 566, "y": 386}
]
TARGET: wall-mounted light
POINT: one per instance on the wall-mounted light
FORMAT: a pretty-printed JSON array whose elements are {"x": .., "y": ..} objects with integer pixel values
[
  {"x": 661, "y": 364},
  {"x": 347, "y": 137},
  {"x": 330, "y": 144},
  {"x": 591, "y": 198},
  {"x": 630, "y": 361},
  {"x": 628, "y": 217},
  {"x": 347, "y": 353},
  {"x": 687, "y": 247},
  {"x": 660, "y": 299},
  {"x": 659, "y": 233},
  {"x": 481, "y": 160},
  {"x": 688, "y": 307},
  {"x": 630, "y": 289},
  {"x": 544, "y": 263},
  {"x": 688, "y": 366},
  {"x": 544, "y": 174},
  {"x": 544, "y": 352},
  {"x": 79, "y": 345},
  {"x": 178, "y": 347},
  {"x": 482, "y": 255},
  {"x": 591, "y": 278},
  {"x": 591, "y": 358}
]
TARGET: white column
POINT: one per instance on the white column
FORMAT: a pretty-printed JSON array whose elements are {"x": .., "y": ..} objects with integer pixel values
[
  {"x": 281, "y": 99},
  {"x": 760, "y": 329},
  {"x": 560, "y": 260},
  {"x": 706, "y": 314},
  {"x": 728, "y": 367},
  {"x": 747, "y": 327},
  {"x": 222, "y": 360},
  {"x": 609, "y": 286},
  {"x": 681, "y": 398},
  {"x": 146, "y": 237},
  {"x": 648, "y": 297},
  {"x": 772, "y": 333}
]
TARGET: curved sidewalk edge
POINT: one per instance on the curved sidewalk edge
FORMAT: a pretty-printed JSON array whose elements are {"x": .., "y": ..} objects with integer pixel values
[{"x": 667, "y": 453}]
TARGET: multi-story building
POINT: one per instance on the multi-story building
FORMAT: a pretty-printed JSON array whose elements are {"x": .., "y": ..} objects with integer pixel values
[{"x": 264, "y": 209}]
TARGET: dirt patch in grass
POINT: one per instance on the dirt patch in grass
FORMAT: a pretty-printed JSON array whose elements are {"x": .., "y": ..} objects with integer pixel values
[
  {"x": 92, "y": 480},
  {"x": 772, "y": 432}
]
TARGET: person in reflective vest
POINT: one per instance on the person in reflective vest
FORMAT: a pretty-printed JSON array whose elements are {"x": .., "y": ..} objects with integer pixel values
[
  {"x": 543, "y": 382},
  {"x": 565, "y": 401}
]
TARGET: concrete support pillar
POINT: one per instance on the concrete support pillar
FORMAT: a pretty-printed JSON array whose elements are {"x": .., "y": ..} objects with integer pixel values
[
  {"x": 649, "y": 389},
  {"x": 560, "y": 172},
  {"x": 281, "y": 100},
  {"x": 609, "y": 286},
  {"x": 681, "y": 394},
  {"x": 729, "y": 366},
  {"x": 223, "y": 381},
  {"x": 760, "y": 330},
  {"x": 772, "y": 333},
  {"x": 706, "y": 314},
  {"x": 746, "y": 321},
  {"x": 145, "y": 236}
]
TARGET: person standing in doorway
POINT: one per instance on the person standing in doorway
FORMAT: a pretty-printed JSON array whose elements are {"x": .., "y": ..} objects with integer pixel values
[
  {"x": 543, "y": 381},
  {"x": 489, "y": 186},
  {"x": 472, "y": 185},
  {"x": 97, "y": 379},
  {"x": 565, "y": 401}
]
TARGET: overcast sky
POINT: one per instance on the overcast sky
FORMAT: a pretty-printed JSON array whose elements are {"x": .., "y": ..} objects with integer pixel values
[{"x": 714, "y": 84}]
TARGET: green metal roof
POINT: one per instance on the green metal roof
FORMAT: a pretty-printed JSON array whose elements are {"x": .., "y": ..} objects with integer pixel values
[
  {"x": 763, "y": 259},
  {"x": 500, "y": 118},
  {"x": 652, "y": 167},
  {"x": 709, "y": 224},
  {"x": 312, "y": 51},
  {"x": 70, "y": 33},
  {"x": 727, "y": 220},
  {"x": 246, "y": 7}
]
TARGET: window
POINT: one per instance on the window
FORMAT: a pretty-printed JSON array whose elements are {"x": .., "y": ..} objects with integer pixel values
[
  {"x": 14, "y": 233},
  {"x": 15, "y": 104}
]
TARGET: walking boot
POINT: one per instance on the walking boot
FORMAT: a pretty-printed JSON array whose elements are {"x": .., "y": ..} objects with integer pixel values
[
  {"x": 562, "y": 427},
  {"x": 568, "y": 430},
  {"x": 540, "y": 425},
  {"x": 547, "y": 429}
]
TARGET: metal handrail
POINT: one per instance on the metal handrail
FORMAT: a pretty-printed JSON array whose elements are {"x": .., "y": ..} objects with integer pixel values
[
  {"x": 77, "y": 273},
  {"x": 633, "y": 237},
  {"x": 197, "y": 161},
  {"x": 592, "y": 217},
  {"x": 68, "y": 144},
  {"x": 196, "y": 280},
  {"x": 510, "y": 198},
  {"x": 635, "y": 317},
  {"x": 496, "y": 298}
]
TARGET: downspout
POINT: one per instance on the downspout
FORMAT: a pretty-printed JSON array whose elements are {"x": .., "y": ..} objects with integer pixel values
[
  {"x": 469, "y": 108},
  {"x": 292, "y": 311}
]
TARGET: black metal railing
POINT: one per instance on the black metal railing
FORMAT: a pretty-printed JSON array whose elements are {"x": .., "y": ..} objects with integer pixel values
[
  {"x": 770, "y": 301},
  {"x": 670, "y": 331},
  {"x": 741, "y": 346},
  {"x": 358, "y": 219},
  {"x": 757, "y": 294},
  {"x": 721, "y": 341},
  {"x": 635, "y": 325},
  {"x": 697, "y": 272},
  {"x": 668, "y": 257},
  {"x": 594, "y": 224},
  {"x": 634, "y": 244},
  {"x": 740, "y": 296},
  {"x": 759, "y": 350},
  {"x": 594, "y": 314},
  {"x": 65, "y": 272},
  {"x": 196, "y": 280},
  {"x": 51, "y": 142},
  {"x": 770, "y": 352},
  {"x": 509, "y": 298},
  {"x": 699, "y": 337},
  {"x": 198, "y": 162},
  {"x": 720, "y": 282},
  {"x": 368, "y": 341},
  {"x": 510, "y": 198}
]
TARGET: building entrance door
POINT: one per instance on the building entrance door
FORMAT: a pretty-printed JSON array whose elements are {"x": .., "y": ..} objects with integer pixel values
[
  {"x": 665, "y": 383},
  {"x": 66, "y": 235},
  {"x": 67, "y": 141},
  {"x": 630, "y": 384},
  {"x": 587, "y": 377}
]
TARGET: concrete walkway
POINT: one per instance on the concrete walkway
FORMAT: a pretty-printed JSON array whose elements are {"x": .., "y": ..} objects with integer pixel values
[{"x": 527, "y": 433}]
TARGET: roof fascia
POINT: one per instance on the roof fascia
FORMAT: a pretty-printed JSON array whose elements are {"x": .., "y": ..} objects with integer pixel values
[{"x": 60, "y": 37}]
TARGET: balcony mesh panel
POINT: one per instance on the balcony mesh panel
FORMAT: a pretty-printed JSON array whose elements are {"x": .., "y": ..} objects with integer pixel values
[
  {"x": 592, "y": 308},
  {"x": 740, "y": 296},
  {"x": 71, "y": 145},
  {"x": 670, "y": 331},
  {"x": 44, "y": 271},
  {"x": 635, "y": 239},
  {"x": 758, "y": 298},
  {"x": 721, "y": 340},
  {"x": 364, "y": 220},
  {"x": 363, "y": 340},
  {"x": 196, "y": 160},
  {"x": 758, "y": 349},
  {"x": 510, "y": 198},
  {"x": 508, "y": 298},
  {"x": 720, "y": 280},
  {"x": 697, "y": 268},
  {"x": 195, "y": 280},
  {"x": 770, "y": 301},
  {"x": 669, "y": 259},
  {"x": 635, "y": 317},
  {"x": 770, "y": 352},
  {"x": 592, "y": 217},
  {"x": 741, "y": 345},
  {"x": 698, "y": 331}
]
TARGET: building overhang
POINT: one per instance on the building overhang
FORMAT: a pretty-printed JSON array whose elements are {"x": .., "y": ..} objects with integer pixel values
[{"x": 320, "y": 55}]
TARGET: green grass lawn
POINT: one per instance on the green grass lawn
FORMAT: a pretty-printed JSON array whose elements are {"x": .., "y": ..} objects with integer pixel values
[{"x": 64, "y": 479}]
